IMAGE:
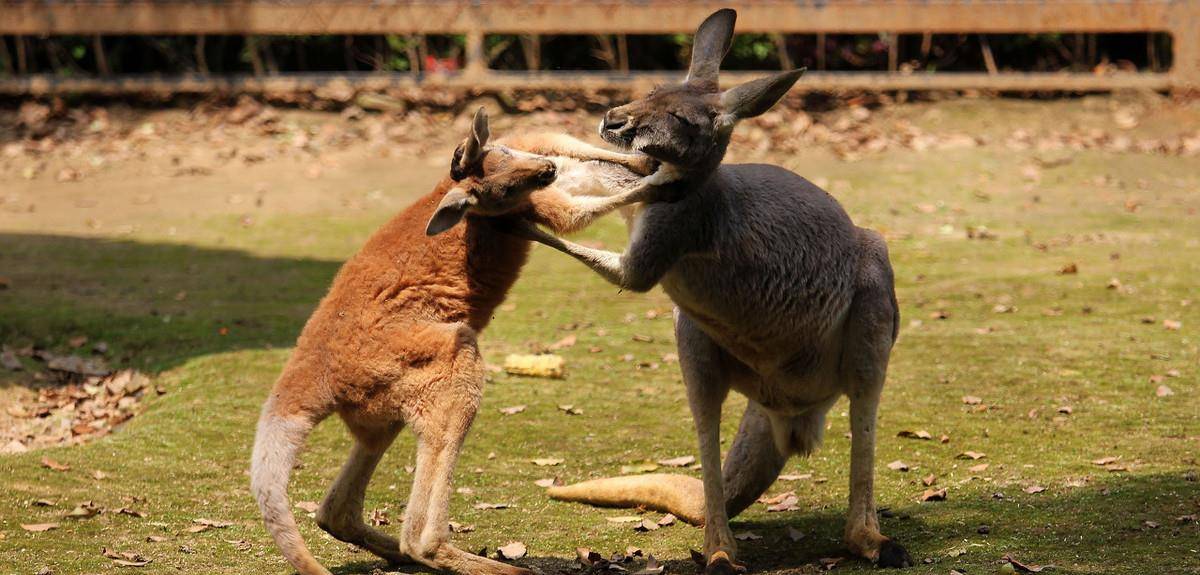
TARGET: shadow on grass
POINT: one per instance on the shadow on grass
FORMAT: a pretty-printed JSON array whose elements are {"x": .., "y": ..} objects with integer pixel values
[
  {"x": 1113, "y": 522},
  {"x": 154, "y": 305}
]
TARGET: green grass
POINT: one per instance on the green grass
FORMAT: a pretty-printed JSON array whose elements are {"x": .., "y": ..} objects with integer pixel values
[{"x": 187, "y": 455}]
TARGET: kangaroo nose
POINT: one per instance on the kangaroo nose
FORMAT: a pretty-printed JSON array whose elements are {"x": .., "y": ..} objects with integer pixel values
[{"x": 614, "y": 122}]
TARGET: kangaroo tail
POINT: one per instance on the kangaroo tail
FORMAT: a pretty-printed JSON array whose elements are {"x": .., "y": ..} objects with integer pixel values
[
  {"x": 276, "y": 443},
  {"x": 679, "y": 495}
]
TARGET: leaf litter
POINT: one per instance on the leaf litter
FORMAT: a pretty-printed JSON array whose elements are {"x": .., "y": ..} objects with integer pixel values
[{"x": 85, "y": 408}]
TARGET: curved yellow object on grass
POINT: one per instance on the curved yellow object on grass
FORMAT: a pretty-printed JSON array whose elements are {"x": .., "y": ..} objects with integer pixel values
[{"x": 546, "y": 365}]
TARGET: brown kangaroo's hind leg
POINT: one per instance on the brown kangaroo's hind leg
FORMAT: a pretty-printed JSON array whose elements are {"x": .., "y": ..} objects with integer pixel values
[
  {"x": 280, "y": 436},
  {"x": 871, "y": 331},
  {"x": 441, "y": 418},
  {"x": 341, "y": 512}
]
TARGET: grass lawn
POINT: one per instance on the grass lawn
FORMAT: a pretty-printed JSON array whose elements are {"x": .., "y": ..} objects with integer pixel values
[{"x": 210, "y": 305}]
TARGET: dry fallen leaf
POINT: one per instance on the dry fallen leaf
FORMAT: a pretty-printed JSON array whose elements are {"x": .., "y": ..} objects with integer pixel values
[
  {"x": 786, "y": 502},
  {"x": 934, "y": 495},
  {"x": 653, "y": 567},
  {"x": 795, "y": 477},
  {"x": 155, "y": 539},
  {"x": 547, "y": 461},
  {"x": 85, "y": 510},
  {"x": 1032, "y": 489},
  {"x": 978, "y": 468},
  {"x": 666, "y": 520},
  {"x": 1105, "y": 460},
  {"x": 308, "y": 506},
  {"x": 646, "y": 525},
  {"x": 898, "y": 466},
  {"x": 921, "y": 434},
  {"x": 570, "y": 409},
  {"x": 512, "y": 551},
  {"x": 682, "y": 461},
  {"x": 563, "y": 343},
  {"x": 1173, "y": 325},
  {"x": 929, "y": 480},
  {"x": 38, "y": 527},
  {"x": 1022, "y": 567},
  {"x": 54, "y": 465},
  {"x": 625, "y": 519},
  {"x": 972, "y": 400},
  {"x": 638, "y": 468},
  {"x": 460, "y": 528},
  {"x": 794, "y": 534},
  {"x": 1163, "y": 391},
  {"x": 970, "y": 455},
  {"x": 548, "y": 482},
  {"x": 212, "y": 523},
  {"x": 485, "y": 506},
  {"x": 747, "y": 536},
  {"x": 125, "y": 558},
  {"x": 512, "y": 410}
]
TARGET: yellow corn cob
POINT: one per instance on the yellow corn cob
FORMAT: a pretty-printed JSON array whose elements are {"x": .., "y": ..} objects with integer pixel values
[{"x": 546, "y": 365}]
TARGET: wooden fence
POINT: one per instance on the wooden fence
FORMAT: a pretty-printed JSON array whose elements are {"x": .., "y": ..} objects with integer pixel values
[{"x": 477, "y": 18}]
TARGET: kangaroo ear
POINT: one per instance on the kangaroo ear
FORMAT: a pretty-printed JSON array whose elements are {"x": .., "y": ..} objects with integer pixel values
[
  {"x": 757, "y": 96},
  {"x": 709, "y": 47},
  {"x": 476, "y": 140},
  {"x": 453, "y": 207}
]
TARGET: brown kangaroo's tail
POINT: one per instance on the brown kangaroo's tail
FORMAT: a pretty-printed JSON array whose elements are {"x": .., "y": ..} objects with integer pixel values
[
  {"x": 679, "y": 495},
  {"x": 276, "y": 443}
]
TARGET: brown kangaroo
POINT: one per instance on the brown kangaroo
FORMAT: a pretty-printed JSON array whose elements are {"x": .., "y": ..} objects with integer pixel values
[
  {"x": 778, "y": 296},
  {"x": 394, "y": 340}
]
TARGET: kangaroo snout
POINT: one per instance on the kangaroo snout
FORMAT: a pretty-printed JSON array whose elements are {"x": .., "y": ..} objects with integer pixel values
[{"x": 614, "y": 120}]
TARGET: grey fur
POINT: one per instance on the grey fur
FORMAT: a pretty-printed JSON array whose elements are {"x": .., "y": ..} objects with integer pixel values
[{"x": 779, "y": 296}]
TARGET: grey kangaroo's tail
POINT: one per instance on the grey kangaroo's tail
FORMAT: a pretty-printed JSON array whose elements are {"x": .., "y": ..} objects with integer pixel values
[{"x": 679, "y": 495}]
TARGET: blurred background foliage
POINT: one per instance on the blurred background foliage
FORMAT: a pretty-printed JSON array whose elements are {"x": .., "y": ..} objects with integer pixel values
[{"x": 169, "y": 55}]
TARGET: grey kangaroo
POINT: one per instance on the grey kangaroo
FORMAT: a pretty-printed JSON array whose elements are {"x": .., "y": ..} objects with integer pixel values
[{"x": 778, "y": 295}]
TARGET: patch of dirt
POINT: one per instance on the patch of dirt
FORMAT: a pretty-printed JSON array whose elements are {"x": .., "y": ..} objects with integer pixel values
[{"x": 99, "y": 170}]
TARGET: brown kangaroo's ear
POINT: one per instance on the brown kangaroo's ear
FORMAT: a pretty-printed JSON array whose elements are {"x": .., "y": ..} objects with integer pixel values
[
  {"x": 757, "y": 96},
  {"x": 709, "y": 47},
  {"x": 453, "y": 207},
  {"x": 476, "y": 140}
]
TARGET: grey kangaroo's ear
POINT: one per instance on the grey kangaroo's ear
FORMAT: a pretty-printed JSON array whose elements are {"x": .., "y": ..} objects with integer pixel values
[
  {"x": 477, "y": 139},
  {"x": 757, "y": 96},
  {"x": 453, "y": 207},
  {"x": 709, "y": 47}
]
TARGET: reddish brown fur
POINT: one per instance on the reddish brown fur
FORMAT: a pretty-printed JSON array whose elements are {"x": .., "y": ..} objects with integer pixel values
[
  {"x": 393, "y": 343},
  {"x": 373, "y": 324}
]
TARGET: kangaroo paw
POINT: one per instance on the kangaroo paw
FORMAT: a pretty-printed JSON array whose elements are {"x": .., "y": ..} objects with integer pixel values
[
  {"x": 892, "y": 554},
  {"x": 721, "y": 564}
]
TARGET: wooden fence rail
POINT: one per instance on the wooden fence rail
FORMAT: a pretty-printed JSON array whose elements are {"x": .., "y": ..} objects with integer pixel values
[{"x": 478, "y": 18}]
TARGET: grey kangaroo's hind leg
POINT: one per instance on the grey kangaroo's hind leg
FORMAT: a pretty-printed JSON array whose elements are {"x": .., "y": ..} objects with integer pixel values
[
  {"x": 706, "y": 373},
  {"x": 753, "y": 462},
  {"x": 871, "y": 328},
  {"x": 762, "y": 447},
  {"x": 341, "y": 512}
]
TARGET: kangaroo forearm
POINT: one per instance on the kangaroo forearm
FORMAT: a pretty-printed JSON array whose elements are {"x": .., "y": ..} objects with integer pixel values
[{"x": 563, "y": 145}]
